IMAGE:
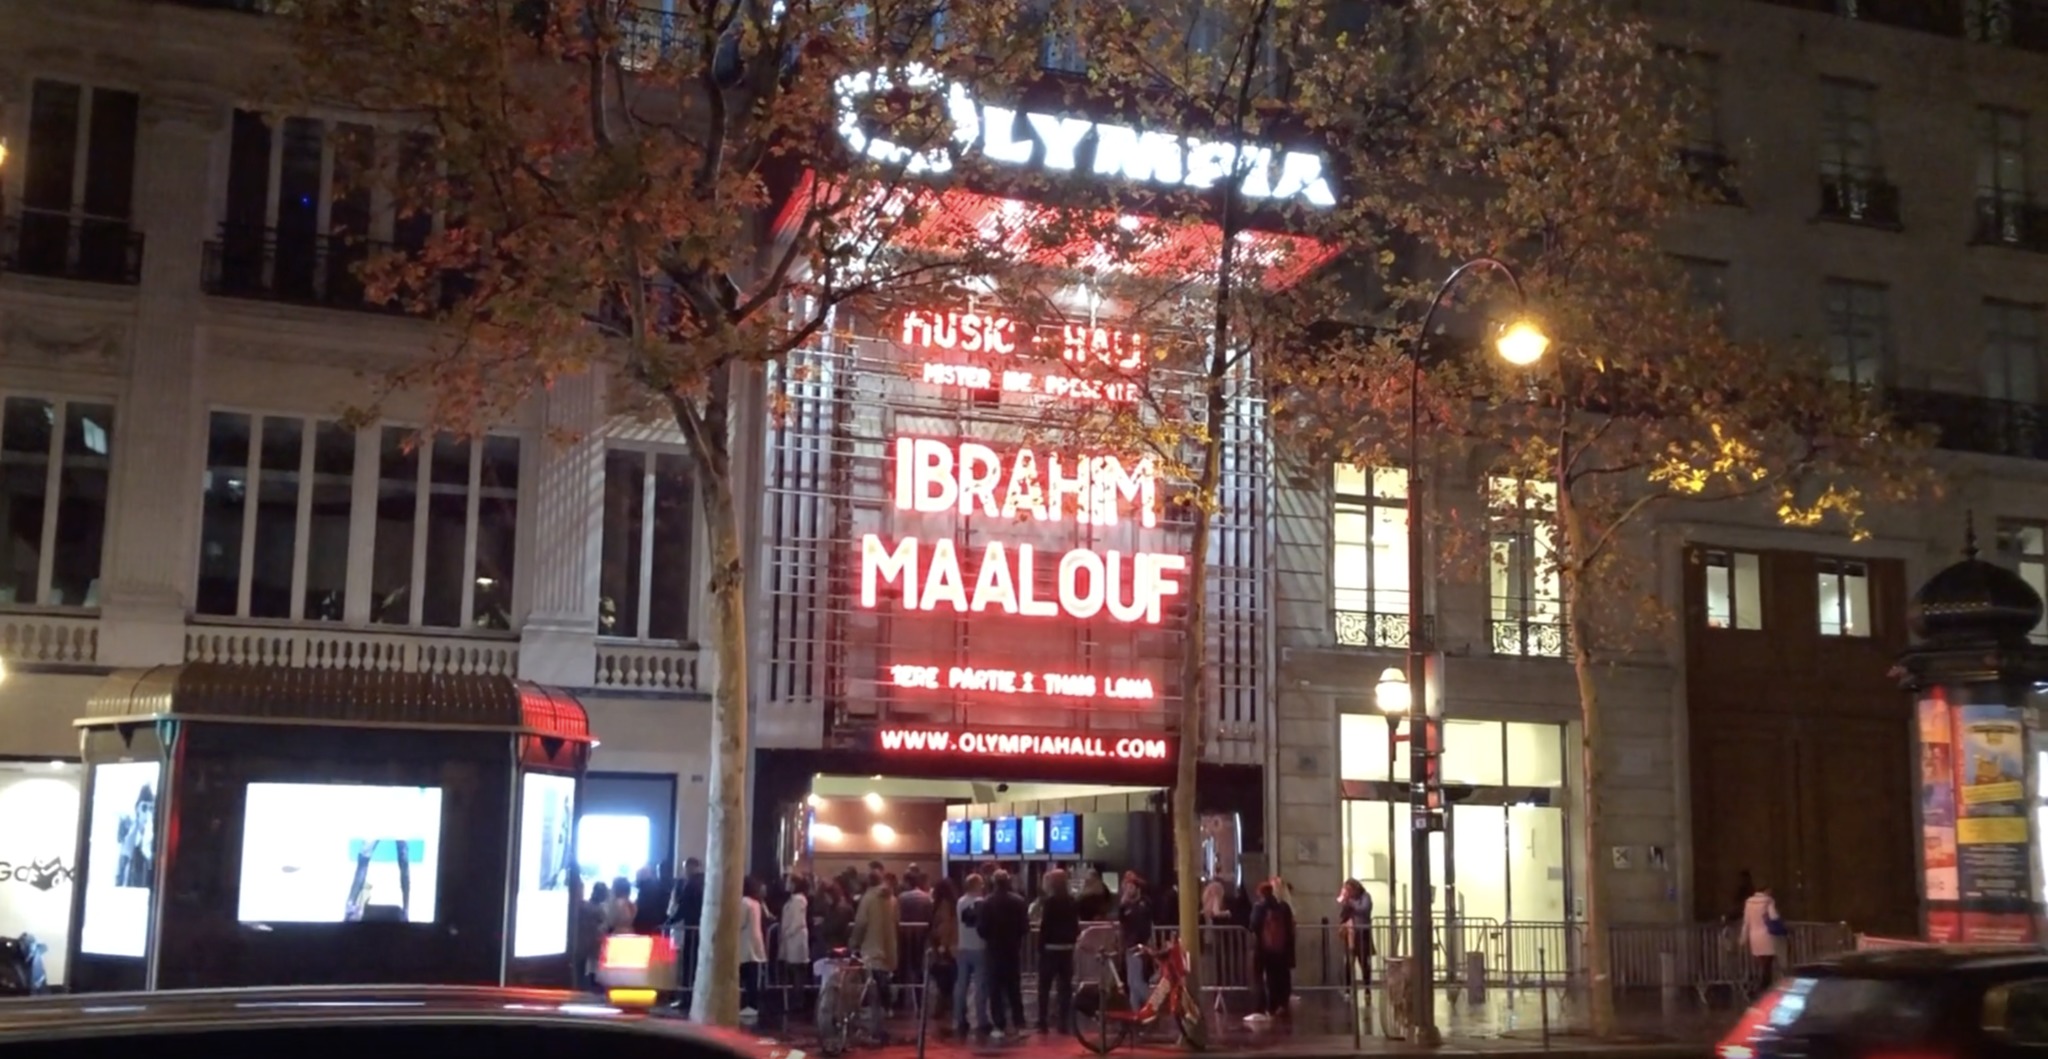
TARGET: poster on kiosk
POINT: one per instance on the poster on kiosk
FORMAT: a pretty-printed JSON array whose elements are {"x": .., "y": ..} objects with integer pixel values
[{"x": 540, "y": 916}]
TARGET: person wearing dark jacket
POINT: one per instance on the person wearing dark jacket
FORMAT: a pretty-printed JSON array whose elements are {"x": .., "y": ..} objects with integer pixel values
[
  {"x": 685, "y": 915},
  {"x": 1134, "y": 929},
  {"x": 1004, "y": 923},
  {"x": 1059, "y": 927},
  {"x": 1273, "y": 952},
  {"x": 656, "y": 888}
]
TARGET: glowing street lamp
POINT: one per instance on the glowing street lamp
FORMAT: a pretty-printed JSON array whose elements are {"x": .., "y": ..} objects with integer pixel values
[{"x": 1521, "y": 344}]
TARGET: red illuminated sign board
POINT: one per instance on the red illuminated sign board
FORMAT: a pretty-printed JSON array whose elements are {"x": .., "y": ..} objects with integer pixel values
[
  {"x": 977, "y": 332},
  {"x": 1027, "y": 745},
  {"x": 1021, "y": 682},
  {"x": 934, "y": 476}
]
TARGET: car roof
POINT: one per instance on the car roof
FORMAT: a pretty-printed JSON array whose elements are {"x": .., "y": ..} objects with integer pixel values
[
  {"x": 1998, "y": 960},
  {"x": 201, "y": 1010}
]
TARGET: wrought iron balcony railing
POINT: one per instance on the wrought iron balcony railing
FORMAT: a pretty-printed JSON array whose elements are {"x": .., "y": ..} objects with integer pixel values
[
  {"x": 1528, "y": 637},
  {"x": 1860, "y": 200},
  {"x": 1968, "y": 423},
  {"x": 2010, "y": 220},
  {"x": 1362, "y": 628},
  {"x": 72, "y": 246},
  {"x": 303, "y": 268}
]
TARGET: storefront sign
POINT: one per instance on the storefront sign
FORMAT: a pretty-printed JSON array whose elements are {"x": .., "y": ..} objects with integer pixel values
[
  {"x": 1021, "y": 682},
  {"x": 1052, "y": 143},
  {"x": 1000, "y": 744}
]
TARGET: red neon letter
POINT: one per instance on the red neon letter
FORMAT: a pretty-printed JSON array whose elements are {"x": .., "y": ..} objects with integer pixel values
[
  {"x": 981, "y": 470},
  {"x": 933, "y": 487},
  {"x": 879, "y": 564}
]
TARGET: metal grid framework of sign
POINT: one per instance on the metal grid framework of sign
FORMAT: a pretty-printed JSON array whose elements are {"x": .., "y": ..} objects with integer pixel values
[{"x": 915, "y": 578}]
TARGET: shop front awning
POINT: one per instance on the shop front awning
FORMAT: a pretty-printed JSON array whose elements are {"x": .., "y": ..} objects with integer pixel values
[{"x": 345, "y": 698}]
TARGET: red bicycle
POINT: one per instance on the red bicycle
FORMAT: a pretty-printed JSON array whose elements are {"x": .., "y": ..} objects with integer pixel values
[{"x": 1103, "y": 1016}]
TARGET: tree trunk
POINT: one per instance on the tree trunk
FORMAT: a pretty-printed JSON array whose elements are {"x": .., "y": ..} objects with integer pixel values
[
  {"x": 715, "y": 998},
  {"x": 1187, "y": 831},
  {"x": 1592, "y": 825}
]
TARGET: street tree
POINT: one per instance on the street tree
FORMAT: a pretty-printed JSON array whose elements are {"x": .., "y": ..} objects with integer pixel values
[{"x": 1560, "y": 138}]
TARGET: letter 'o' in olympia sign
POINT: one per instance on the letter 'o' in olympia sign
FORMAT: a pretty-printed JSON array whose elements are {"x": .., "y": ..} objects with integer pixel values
[{"x": 1120, "y": 151}]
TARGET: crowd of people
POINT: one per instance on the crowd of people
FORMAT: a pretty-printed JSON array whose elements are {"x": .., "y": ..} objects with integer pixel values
[{"x": 971, "y": 938}]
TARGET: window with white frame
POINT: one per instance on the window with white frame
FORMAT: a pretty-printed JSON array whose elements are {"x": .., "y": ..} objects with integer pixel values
[
  {"x": 2012, "y": 352},
  {"x": 446, "y": 528},
  {"x": 1369, "y": 555},
  {"x": 2025, "y": 546},
  {"x": 56, "y": 463},
  {"x": 78, "y": 187},
  {"x": 1527, "y": 591},
  {"x": 1844, "y": 598},
  {"x": 1858, "y": 330},
  {"x": 277, "y": 502},
  {"x": 644, "y": 582},
  {"x": 1734, "y": 589}
]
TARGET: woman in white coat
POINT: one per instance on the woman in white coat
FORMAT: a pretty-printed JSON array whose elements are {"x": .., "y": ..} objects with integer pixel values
[{"x": 1760, "y": 927}]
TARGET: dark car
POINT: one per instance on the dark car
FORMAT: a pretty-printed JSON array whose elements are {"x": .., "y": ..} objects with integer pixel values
[
  {"x": 1936, "y": 1002},
  {"x": 373, "y": 1022}
]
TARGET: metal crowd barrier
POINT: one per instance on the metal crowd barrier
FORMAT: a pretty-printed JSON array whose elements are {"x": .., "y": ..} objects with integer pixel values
[{"x": 1470, "y": 952}]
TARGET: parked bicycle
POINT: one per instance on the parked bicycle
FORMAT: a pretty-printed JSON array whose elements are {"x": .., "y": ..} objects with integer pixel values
[
  {"x": 1103, "y": 1016},
  {"x": 846, "y": 990}
]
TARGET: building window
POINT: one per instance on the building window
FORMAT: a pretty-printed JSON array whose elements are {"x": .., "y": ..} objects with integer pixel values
[
  {"x": 277, "y": 500},
  {"x": 446, "y": 530},
  {"x": 78, "y": 185},
  {"x": 1369, "y": 555},
  {"x": 1989, "y": 21},
  {"x": 2012, "y": 352},
  {"x": 1528, "y": 601},
  {"x": 1734, "y": 583},
  {"x": 1853, "y": 187},
  {"x": 2025, "y": 546},
  {"x": 55, "y": 466},
  {"x": 1858, "y": 331},
  {"x": 1706, "y": 286},
  {"x": 1844, "y": 598},
  {"x": 644, "y": 585},
  {"x": 2002, "y": 213}
]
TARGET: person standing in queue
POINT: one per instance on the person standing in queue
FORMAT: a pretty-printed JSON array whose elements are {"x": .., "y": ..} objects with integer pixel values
[
  {"x": 1059, "y": 928},
  {"x": 970, "y": 979},
  {"x": 1134, "y": 931},
  {"x": 875, "y": 927},
  {"x": 1005, "y": 926}
]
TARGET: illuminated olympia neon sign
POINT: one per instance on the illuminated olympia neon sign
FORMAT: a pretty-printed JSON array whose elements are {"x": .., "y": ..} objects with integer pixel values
[
  {"x": 1052, "y": 142},
  {"x": 934, "y": 476}
]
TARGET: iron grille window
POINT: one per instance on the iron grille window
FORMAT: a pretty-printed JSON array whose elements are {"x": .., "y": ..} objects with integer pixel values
[
  {"x": 1369, "y": 576},
  {"x": 1527, "y": 592}
]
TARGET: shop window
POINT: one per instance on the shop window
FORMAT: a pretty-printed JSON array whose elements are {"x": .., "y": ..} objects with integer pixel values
[
  {"x": 447, "y": 517},
  {"x": 55, "y": 465},
  {"x": 276, "y": 502},
  {"x": 1844, "y": 598},
  {"x": 1369, "y": 556},
  {"x": 1535, "y": 754},
  {"x": 644, "y": 585},
  {"x": 1734, "y": 584},
  {"x": 1527, "y": 594},
  {"x": 1473, "y": 753},
  {"x": 2024, "y": 545}
]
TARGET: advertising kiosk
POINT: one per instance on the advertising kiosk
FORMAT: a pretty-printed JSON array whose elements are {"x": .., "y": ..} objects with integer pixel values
[{"x": 252, "y": 825}]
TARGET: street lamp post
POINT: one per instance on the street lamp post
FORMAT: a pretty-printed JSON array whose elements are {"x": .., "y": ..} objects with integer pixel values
[{"x": 1521, "y": 343}]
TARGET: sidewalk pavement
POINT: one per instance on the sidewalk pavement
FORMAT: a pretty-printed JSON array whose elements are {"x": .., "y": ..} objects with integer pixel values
[{"x": 1505, "y": 1025}]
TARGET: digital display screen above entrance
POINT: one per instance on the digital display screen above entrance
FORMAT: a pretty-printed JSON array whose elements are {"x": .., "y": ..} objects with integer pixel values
[
  {"x": 956, "y": 838},
  {"x": 1063, "y": 835},
  {"x": 1006, "y": 837},
  {"x": 1033, "y": 840},
  {"x": 978, "y": 844}
]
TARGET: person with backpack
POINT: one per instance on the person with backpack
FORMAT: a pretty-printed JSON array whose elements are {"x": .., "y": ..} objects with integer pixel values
[{"x": 1273, "y": 937}]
